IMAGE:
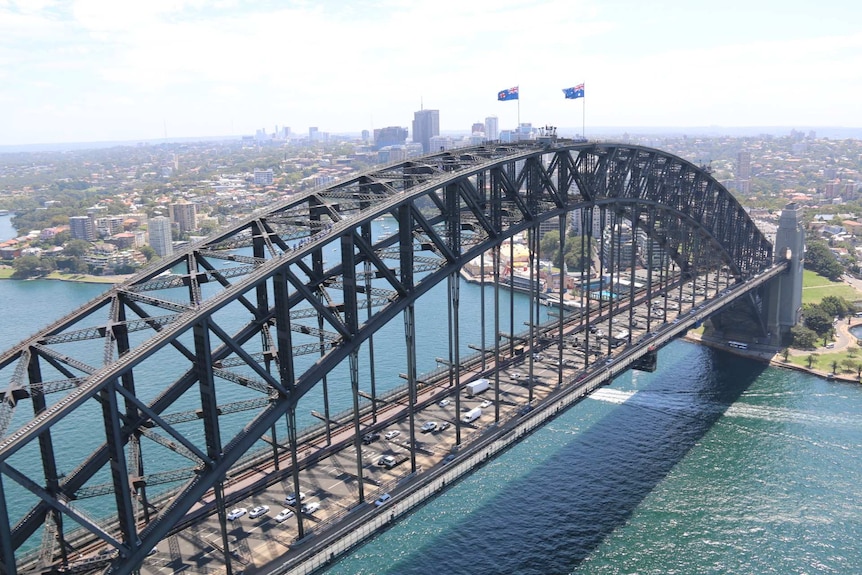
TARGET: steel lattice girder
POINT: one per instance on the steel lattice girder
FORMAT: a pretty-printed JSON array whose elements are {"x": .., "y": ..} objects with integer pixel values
[{"x": 692, "y": 215}]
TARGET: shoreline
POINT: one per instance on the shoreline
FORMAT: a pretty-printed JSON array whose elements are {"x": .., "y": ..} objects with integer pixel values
[{"x": 72, "y": 278}]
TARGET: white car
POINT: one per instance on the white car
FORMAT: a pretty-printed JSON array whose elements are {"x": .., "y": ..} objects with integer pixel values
[
  {"x": 486, "y": 403},
  {"x": 291, "y": 499},
  {"x": 429, "y": 426},
  {"x": 392, "y": 434},
  {"x": 310, "y": 508},
  {"x": 444, "y": 402},
  {"x": 236, "y": 513},
  {"x": 284, "y": 515},
  {"x": 258, "y": 511},
  {"x": 382, "y": 500}
]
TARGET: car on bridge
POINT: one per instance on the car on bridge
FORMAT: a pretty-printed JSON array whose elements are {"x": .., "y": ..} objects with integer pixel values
[
  {"x": 486, "y": 403},
  {"x": 387, "y": 461},
  {"x": 429, "y": 426},
  {"x": 370, "y": 438},
  {"x": 284, "y": 515},
  {"x": 392, "y": 434},
  {"x": 258, "y": 511},
  {"x": 310, "y": 508},
  {"x": 444, "y": 402},
  {"x": 382, "y": 500},
  {"x": 236, "y": 513},
  {"x": 291, "y": 499}
]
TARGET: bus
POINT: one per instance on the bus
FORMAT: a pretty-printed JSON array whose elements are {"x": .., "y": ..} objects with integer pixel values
[{"x": 737, "y": 344}]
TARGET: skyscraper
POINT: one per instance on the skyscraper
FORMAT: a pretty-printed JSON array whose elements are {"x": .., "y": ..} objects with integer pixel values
[
  {"x": 426, "y": 123},
  {"x": 160, "y": 236},
  {"x": 743, "y": 172},
  {"x": 390, "y": 136},
  {"x": 492, "y": 128}
]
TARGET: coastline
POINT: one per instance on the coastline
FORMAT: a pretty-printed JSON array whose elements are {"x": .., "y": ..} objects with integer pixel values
[{"x": 6, "y": 274}]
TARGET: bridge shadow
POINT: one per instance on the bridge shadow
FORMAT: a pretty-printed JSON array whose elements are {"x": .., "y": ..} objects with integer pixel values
[{"x": 553, "y": 517}]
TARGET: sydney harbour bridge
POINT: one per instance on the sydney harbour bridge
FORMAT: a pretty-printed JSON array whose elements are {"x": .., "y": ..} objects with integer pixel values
[{"x": 139, "y": 414}]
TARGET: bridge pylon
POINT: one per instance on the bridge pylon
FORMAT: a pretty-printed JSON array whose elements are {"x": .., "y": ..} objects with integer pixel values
[{"x": 785, "y": 291}]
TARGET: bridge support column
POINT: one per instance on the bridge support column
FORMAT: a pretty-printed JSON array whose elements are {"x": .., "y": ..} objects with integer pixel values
[{"x": 785, "y": 292}]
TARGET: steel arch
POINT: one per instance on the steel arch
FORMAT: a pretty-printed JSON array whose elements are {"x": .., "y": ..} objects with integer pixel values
[{"x": 450, "y": 207}]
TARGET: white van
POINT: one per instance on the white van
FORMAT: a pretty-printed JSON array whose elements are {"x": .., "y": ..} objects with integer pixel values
[{"x": 472, "y": 415}]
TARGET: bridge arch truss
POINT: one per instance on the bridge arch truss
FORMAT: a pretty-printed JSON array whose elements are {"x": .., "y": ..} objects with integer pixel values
[{"x": 278, "y": 303}]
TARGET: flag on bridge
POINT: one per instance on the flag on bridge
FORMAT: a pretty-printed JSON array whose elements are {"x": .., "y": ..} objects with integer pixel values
[
  {"x": 510, "y": 94},
  {"x": 574, "y": 92}
]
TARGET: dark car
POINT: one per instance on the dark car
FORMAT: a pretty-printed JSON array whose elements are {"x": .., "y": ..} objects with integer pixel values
[{"x": 369, "y": 438}]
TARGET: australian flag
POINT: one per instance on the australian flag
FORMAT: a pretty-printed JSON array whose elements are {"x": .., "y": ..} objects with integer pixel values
[
  {"x": 510, "y": 94},
  {"x": 574, "y": 92}
]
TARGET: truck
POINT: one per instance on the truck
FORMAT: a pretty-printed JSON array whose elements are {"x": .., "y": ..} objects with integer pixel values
[
  {"x": 472, "y": 415},
  {"x": 477, "y": 386}
]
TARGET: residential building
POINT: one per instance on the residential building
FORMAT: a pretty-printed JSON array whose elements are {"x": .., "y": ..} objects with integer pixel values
[
  {"x": 82, "y": 228},
  {"x": 263, "y": 177},
  {"x": 184, "y": 214},
  {"x": 160, "y": 236}
]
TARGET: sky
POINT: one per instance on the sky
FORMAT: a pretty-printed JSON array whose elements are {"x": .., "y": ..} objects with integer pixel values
[{"x": 124, "y": 70}]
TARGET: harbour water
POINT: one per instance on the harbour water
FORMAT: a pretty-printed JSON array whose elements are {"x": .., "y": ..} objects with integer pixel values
[{"x": 712, "y": 464}]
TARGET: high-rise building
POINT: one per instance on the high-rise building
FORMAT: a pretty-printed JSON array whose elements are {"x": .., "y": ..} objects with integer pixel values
[
  {"x": 82, "y": 228},
  {"x": 160, "y": 236},
  {"x": 184, "y": 214},
  {"x": 477, "y": 127},
  {"x": 492, "y": 128},
  {"x": 426, "y": 124},
  {"x": 743, "y": 172},
  {"x": 389, "y": 136}
]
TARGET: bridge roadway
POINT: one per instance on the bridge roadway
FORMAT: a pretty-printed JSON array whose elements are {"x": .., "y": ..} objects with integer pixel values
[{"x": 263, "y": 546}]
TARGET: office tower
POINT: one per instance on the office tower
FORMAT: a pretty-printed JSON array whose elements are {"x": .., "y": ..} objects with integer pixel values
[
  {"x": 492, "y": 128},
  {"x": 390, "y": 136},
  {"x": 82, "y": 228},
  {"x": 477, "y": 128},
  {"x": 184, "y": 214},
  {"x": 426, "y": 124},
  {"x": 160, "y": 236}
]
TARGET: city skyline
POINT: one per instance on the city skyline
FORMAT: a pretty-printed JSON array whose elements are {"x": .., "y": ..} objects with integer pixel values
[{"x": 95, "y": 70}]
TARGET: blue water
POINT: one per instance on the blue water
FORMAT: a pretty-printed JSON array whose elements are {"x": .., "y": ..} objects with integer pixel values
[{"x": 713, "y": 465}]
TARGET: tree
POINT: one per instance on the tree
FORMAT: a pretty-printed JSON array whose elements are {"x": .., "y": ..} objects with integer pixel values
[
  {"x": 785, "y": 352},
  {"x": 148, "y": 252},
  {"x": 820, "y": 259},
  {"x": 76, "y": 248},
  {"x": 848, "y": 364},
  {"x": 835, "y": 306},
  {"x": 810, "y": 359},
  {"x": 803, "y": 338},
  {"x": 834, "y": 366},
  {"x": 31, "y": 266},
  {"x": 818, "y": 320}
]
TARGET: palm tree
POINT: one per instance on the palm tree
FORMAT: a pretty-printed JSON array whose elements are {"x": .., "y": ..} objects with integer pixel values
[{"x": 810, "y": 359}]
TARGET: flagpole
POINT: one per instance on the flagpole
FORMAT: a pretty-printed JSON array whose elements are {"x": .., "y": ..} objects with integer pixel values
[
  {"x": 518, "y": 130},
  {"x": 584, "y": 114}
]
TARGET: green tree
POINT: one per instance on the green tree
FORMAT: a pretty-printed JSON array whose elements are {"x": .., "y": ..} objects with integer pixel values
[
  {"x": 810, "y": 359},
  {"x": 31, "y": 266},
  {"x": 817, "y": 320},
  {"x": 835, "y": 306},
  {"x": 803, "y": 338},
  {"x": 785, "y": 353},
  {"x": 76, "y": 248},
  {"x": 820, "y": 259},
  {"x": 848, "y": 364},
  {"x": 148, "y": 252}
]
